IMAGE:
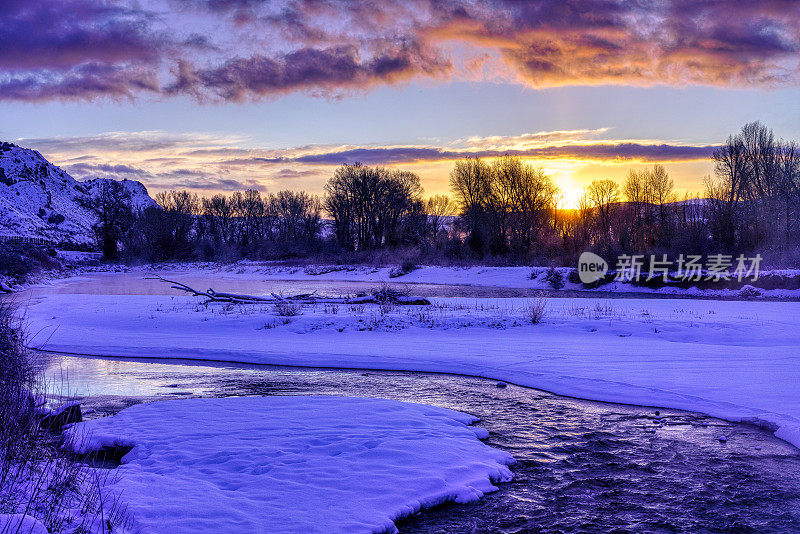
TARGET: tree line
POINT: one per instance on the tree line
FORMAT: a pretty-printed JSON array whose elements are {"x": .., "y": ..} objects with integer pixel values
[
  {"x": 505, "y": 208},
  {"x": 184, "y": 225}
]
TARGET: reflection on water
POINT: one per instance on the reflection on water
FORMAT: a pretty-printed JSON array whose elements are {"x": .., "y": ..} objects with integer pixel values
[
  {"x": 582, "y": 466},
  {"x": 138, "y": 284},
  {"x": 100, "y": 381}
]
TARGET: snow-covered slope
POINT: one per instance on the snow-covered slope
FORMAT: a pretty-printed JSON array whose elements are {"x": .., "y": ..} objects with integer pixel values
[{"x": 38, "y": 199}]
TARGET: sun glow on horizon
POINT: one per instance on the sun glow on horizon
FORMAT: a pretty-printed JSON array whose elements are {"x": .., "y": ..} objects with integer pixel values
[{"x": 562, "y": 172}]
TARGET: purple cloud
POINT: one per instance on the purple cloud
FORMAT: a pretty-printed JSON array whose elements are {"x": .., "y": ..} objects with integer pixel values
[
  {"x": 88, "y": 81},
  {"x": 293, "y": 173},
  {"x": 595, "y": 151},
  {"x": 327, "y": 69},
  {"x": 250, "y": 49},
  {"x": 62, "y": 34},
  {"x": 217, "y": 184},
  {"x": 181, "y": 178},
  {"x": 84, "y": 169}
]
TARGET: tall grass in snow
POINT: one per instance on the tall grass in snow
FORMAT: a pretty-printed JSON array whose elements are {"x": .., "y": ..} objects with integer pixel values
[{"x": 40, "y": 485}]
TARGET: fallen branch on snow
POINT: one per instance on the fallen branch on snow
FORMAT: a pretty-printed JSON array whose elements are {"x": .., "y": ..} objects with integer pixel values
[
  {"x": 210, "y": 294},
  {"x": 382, "y": 296}
]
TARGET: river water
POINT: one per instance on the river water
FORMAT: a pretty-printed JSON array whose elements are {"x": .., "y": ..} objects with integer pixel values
[
  {"x": 138, "y": 283},
  {"x": 582, "y": 467}
]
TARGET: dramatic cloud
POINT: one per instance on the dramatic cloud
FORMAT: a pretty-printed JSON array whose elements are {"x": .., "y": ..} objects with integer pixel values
[
  {"x": 77, "y": 49},
  {"x": 329, "y": 69},
  {"x": 85, "y": 82},
  {"x": 596, "y": 151},
  {"x": 63, "y": 34},
  {"x": 215, "y": 50}
]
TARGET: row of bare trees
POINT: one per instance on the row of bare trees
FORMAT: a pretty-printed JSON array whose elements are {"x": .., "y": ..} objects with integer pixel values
[
  {"x": 248, "y": 217},
  {"x": 752, "y": 204},
  {"x": 183, "y": 221},
  {"x": 375, "y": 207},
  {"x": 505, "y": 207},
  {"x": 754, "y": 197},
  {"x": 641, "y": 215},
  {"x": 369, "y": 207}
]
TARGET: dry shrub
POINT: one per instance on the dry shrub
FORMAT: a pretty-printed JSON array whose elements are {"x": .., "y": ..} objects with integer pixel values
[
  {"x": 554, "y": 278},
  {"x": 286, "y": 308},
  {"x": 536, "y": 310},
  {"x": 386, "y": 294},
  {"x": 18, "y": 426},
  {"x": 403, "y": 269}
]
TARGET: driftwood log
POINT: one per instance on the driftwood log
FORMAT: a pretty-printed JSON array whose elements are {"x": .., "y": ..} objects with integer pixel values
[
  {"x": 382, "y": 296},
  {"x": 218, "y": 296},
  {"x": 210, "y": 294}
]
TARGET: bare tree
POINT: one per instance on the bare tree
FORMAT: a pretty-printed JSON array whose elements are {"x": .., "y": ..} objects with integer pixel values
[
  {"x": 297, "y": 216},
  {"x": 522, "y": 202},
  {"x": 374, "y": 207},
  {"x": 170, "y": 229},
  {"x": 601, "y": 195},
  {"x": 339, "y": 203},
  {"x": 219, "y": 212},
  {"x": 511, "y": 203},
  {"x": 649, "y": 194},
  {"x": 470, "y": 182},
  {"x": 637, "y": 196},
  {"x": 660, "y": 188},
  {"x": 249, "y": 209},
  {"x": 439, "y": 208},
  {"x": 112, "y": 206}
]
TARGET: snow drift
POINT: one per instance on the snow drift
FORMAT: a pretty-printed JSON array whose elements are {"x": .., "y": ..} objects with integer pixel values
[{"x": 291, "y": 464}]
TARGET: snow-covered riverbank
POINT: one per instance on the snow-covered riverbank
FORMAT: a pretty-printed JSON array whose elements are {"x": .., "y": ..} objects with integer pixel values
[
  {"x": 291, "y": 464},
  {"x": 519, "y": 277},
  {"x": 771, "y": 284},
  {"x": 736, "y": 360}
]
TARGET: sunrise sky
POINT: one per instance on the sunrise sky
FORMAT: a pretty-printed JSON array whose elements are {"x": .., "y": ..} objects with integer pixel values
[{"x": 217, "y": 95}]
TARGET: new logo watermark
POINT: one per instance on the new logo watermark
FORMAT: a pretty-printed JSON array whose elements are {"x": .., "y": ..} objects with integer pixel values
[
  {"x": 688, "y": 267},
  {"x": 591, "y": 267}
]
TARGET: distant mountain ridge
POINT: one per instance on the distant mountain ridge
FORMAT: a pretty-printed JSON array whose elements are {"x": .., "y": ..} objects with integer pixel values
[{"x": 39, "y": 199}]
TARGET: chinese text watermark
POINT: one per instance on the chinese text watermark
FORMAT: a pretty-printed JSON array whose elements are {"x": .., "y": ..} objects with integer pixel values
[{"x": 686, "y": 267}]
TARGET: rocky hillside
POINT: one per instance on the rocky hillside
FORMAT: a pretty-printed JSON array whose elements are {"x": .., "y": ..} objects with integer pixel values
[{"x": 38, "y": 199}]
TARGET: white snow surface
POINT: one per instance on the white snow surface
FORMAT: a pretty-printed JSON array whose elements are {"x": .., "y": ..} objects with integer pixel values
[
  {"x": 20, "y": 524},
  {"x": 291, "y": 464},
  {"x": 739, "y": 360},
  {"x": 34, "y": 192}
]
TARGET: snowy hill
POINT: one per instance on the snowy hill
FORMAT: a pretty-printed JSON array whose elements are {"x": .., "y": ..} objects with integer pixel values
[{"x": 38, "y": 199}]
